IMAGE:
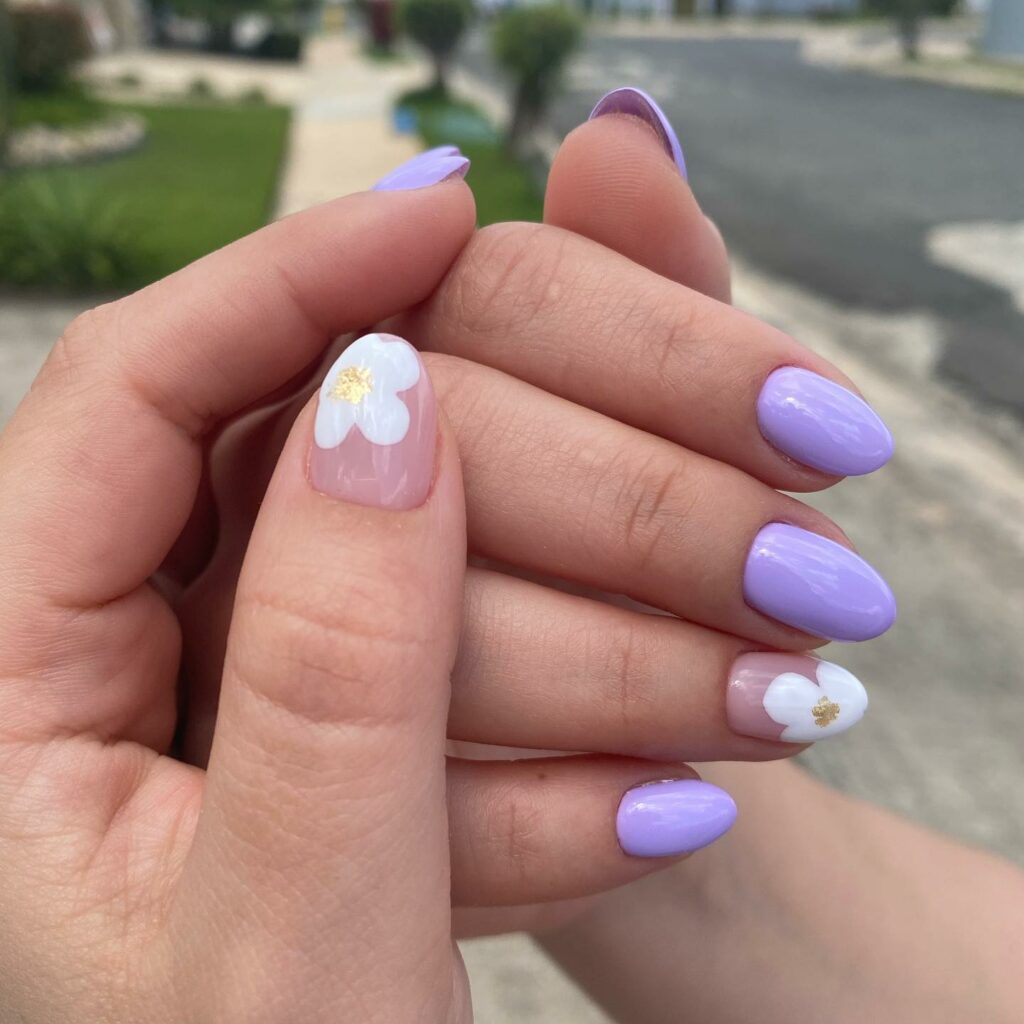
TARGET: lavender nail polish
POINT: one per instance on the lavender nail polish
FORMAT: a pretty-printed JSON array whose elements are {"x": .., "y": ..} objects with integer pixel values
[
  {"x": 638, "y": 103},
  {"x": 817, "y": 585},
  {"x": 423, "y": 170},
  {"x": 664, "y": 819},
  {"x": 821, "y": 424}
]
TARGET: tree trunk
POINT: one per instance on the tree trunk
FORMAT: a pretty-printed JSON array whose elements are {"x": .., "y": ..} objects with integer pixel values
[
  {"x": 723, "y": 8},
  {"x": 440, "y": 85},
  {"x": 521, "y": 122},
  {"x": 909, "y": 28}
]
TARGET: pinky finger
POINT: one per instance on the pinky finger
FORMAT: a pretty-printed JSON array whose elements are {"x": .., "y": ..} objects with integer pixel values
[{"x": 558, "y": 828}]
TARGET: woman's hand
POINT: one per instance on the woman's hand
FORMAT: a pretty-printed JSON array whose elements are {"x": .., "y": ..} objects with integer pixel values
[
  {"x": 557, "y": 490},
  {"x": 309, "y": 873}
]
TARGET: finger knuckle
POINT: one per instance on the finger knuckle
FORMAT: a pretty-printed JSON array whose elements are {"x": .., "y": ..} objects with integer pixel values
[
  {"x": 652, "y": 500},
  {"x": 516, "y": 829},
  {"x": 507, "y": 276},
  {"x": 333, "y": 661}
]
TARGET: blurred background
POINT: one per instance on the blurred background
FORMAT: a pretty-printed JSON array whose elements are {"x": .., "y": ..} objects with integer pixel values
[{"x": 864, "y": 159}]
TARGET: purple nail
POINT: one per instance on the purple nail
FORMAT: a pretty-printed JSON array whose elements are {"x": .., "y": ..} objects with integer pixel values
[
  {"x": 664, "y": 819},
  {"x": 817, "y": 585},
  {"x": 421, "y": 171},
  {"x": 637, "y": 103},
  {"x": 439, "y": 151},
  {"x": 821, "y": 424}
]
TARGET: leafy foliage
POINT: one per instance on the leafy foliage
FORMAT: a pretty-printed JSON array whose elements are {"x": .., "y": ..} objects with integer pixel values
[
  {"x": 437, "y": 25},
  {"x": 533, "y": 45}
]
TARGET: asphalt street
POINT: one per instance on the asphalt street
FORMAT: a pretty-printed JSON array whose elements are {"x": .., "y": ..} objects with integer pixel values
[{"x": 833, "y": 178}]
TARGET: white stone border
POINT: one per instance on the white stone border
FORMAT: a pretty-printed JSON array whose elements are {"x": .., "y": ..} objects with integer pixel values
[{"x": 41, "y": 145}]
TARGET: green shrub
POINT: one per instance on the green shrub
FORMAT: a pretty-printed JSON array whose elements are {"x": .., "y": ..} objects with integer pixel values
[
  {"x": 281, "y": 44},
  {"x": 437, "y": 25},
  {"x": 67, "y": 237},
  {"x": 48, "y": 41},
  {"x": 201, "y": 88},
  {"x": 533, "y": 45}
]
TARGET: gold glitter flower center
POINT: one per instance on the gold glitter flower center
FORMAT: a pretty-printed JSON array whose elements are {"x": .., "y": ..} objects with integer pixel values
[
  {"x": 825, "y": 712},
  {"x": 353, "y": 384}
]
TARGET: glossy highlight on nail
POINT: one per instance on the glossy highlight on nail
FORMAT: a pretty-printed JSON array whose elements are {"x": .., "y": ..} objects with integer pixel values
[
  {"x": 676, "y": 816},
  {"x": 816, "y": 585},
  {"x": 375, "y": 428},
  {"x": 429, "y": 168},
  {"x": 795, "y": 698},
  {"x": 821, "y": 424},
  {"x": 637, "y": 103}
]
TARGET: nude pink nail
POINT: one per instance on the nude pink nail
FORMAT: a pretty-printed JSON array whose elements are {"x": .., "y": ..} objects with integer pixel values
[
  {"x": 376, "y": 426},
  {"x": 795, "y": 698}
]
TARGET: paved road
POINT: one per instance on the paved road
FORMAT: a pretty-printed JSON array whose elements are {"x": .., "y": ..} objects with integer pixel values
[{"x": 834, "y": 178}]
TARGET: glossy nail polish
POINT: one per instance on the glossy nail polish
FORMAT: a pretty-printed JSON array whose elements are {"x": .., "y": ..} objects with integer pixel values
[
  {"x": 665, "y": 819},
  {"x": 637, "y": 103},
  {"x": 795, "y": 698},
  {"x": 423, "y": 170},
  {"x": 822, "y": 424},
  {"x": 376, "y": 426},
  {"x": 817, "y": 585}
]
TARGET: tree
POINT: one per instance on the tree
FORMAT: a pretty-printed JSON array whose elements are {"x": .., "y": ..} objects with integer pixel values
[
  {"x": 533, "y": 44},
  {"x": 437, "y": 25},
  {"x": 908, "y": 16}
]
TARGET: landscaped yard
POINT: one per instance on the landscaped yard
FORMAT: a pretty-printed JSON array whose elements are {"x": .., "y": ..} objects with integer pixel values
[{"x": 206, "y": 175}]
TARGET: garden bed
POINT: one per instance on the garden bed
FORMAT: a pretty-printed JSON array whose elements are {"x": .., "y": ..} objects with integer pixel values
[{"x": 206, "y": 175}]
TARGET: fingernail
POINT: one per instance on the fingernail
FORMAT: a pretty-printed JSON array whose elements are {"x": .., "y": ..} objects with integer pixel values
[
  {"x": 439, "y": 151},
  {"x": 821, "y": 424},
  {"x": 792, "y": 697},
  {"x": 637, "y": 103},
  {"x": 664, "y": 819},
  {"x": 423, "y": 170},
  {"x": 376, "y": 426},
  {"x": 817, "y": 585}
]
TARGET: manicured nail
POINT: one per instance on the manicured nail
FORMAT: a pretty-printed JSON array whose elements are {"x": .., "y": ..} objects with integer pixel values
[
  {"x": 439, "y": 151},
  {"x": 637, "y": 103},
  {"x": 821, "y": 424},
  {"x": 376, "y": 426},
  {"x": 792, "y": 697},
  {"x": 664, "y": 819},
  {"x": 423, "y": 170},
  {"x": 817, "y": 585}
]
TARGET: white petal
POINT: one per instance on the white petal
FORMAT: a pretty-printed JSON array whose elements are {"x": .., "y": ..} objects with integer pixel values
[
  {"x": 846, "y": 690},
  {"x": 334, "y": 420},
  {"x": 383, "y": 418},
  {"x": 788, "y": 700},
  {"x": 393, "y": 363}
]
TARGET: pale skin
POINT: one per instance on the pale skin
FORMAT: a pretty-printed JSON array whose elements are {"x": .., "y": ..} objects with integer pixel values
[{"x": 309, "y": 873}]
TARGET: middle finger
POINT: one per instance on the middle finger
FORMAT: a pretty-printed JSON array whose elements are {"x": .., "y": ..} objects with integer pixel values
[{"x": 561, "y": 490}]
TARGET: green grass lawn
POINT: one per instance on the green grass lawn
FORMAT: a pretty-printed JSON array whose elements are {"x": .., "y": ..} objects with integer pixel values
[
  {"x": 206, "y": 176},
  {"x": 503, "y": 187},
  {"x": 70, "y": 106}
]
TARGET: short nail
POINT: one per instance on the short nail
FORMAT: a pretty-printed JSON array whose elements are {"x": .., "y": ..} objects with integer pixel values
[
  {"x": 817, "y": 585},
  {"x": 376, "y": 426},
  {"x": 664, "y": 819},
  {"x": 637, "y": 103},
  {"x": 792, "y": 697},
  {"x": 423, "y": 170},
  {"x": 821, "y": 424}
]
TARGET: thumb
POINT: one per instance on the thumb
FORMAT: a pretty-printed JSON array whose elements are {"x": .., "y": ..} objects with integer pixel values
[{"x": 322, "y": 844}]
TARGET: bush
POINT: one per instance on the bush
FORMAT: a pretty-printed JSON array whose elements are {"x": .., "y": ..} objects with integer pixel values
[
  {"x": 48, "y": 41},
  {"x": 437, "y": 25},
  {"x": 533, "y": 44},
  {"x": 68, "y": 238},
  {"x": 281, "y": 44}
]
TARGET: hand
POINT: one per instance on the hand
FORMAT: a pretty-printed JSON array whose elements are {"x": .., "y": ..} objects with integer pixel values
[
  {"x": 308, "y": 874},
  {"x": 555, "y": 490}
]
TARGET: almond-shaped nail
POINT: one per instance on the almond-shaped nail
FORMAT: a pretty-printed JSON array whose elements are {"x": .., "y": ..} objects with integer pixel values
[
  {"x": 822, "y": 424},
  {"x": 665, "y": 819},
  {"x": 795, "y": 698},
  {"x": 814, "y": 584},
  {"x": 637, "y": 103},
  {"x": 376, "y": 426},
  {"x": 423, "y": 170}
]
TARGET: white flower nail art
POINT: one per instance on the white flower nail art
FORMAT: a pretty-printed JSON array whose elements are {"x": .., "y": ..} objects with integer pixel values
[
  {"x": 812, "y": 711},
  {"x": 361, "y": 390}
]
